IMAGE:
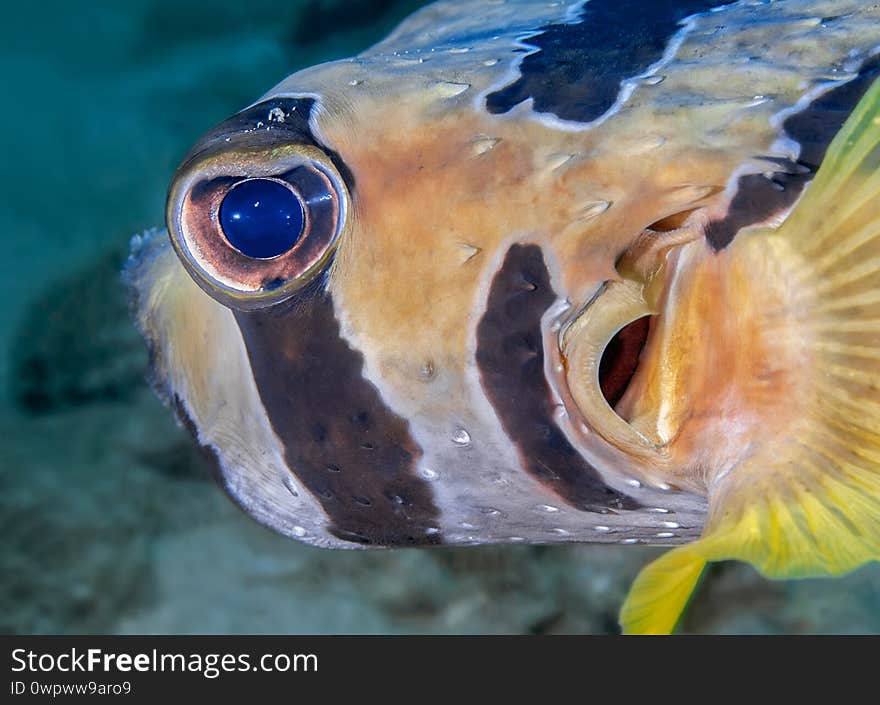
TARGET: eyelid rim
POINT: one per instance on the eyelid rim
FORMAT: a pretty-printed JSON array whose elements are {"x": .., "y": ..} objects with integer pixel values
[{"x": 246, "y": 163}]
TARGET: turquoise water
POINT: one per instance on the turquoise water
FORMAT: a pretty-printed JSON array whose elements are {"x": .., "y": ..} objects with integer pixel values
[{"x": 109, "y": 520}]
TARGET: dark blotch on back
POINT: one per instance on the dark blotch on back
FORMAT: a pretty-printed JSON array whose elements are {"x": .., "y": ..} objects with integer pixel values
[
  {"x": 761, "y": 196},
  {"x": 510, "y": 357},
  {"x": 353, "y": 453},
  {"x": 577, "y": 72}
]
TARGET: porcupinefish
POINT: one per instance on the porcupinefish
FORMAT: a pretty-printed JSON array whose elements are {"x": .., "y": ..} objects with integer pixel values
[{"x": 532, "y": 271}]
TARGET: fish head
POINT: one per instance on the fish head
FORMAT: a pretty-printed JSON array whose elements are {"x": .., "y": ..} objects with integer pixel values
[
  {"x": 402, "y": 321},
  {"x": 409, "y": 300}
]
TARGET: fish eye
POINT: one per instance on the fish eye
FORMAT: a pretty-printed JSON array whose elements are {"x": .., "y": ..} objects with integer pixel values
[
  {"x": 261, "y": 218},
  {"x": 254, "y": 225}
]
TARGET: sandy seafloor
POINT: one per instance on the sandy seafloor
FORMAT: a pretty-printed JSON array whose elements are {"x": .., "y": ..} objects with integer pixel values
[{"x": 110, "y": 522}]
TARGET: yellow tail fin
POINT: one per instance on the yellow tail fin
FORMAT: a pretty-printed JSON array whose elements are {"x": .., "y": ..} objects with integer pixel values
[{"x": 805, "y": 502}]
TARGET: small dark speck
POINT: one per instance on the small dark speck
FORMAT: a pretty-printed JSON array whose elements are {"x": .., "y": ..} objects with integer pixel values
[
  {"x": 547, "y": 624},
  {"x": 273, "y": 284},
  {"x": 360, "y": 420},
  {"x": 610, "y": 625},
  {"x": 353, "y": 536},
  {"x": 427, "y": 370}
]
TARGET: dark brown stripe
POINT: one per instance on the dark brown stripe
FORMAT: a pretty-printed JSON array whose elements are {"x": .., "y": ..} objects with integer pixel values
[
  {"x": 761, "y": 196},
  {"x": 353, "y": 453},
  {"x": 510, "y": 357}
]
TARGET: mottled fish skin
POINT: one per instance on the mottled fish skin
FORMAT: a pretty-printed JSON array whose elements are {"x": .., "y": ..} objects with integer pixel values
[{"x": 377, "y": 406}]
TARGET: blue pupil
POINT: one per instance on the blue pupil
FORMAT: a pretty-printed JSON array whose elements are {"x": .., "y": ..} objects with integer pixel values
[{"x": 261, "y": 218}]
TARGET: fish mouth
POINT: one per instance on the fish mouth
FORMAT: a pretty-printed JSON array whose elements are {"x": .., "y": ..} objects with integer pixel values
[
  {"x": 620, "y": 360},
  {"x": 604, "y": 351}
]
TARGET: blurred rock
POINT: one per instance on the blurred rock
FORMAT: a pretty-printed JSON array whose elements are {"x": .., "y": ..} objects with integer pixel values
[
  {"x": 76, "y": 344},
  {"x": 236, "y": 577}
]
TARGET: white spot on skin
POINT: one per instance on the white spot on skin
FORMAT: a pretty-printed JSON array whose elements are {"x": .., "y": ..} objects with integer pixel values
[
  {"x": 547, "y": 508},
  {"x": 483, "y": 144},
  {"x": 671, "y": 524},
  {"x": 555, "y": 161},
  {"x": 449, "y": 89},
  {"x": 427, "y": 371},
  {"x": 276, "y": 115},
  {"x": 461, "y": 437},
  {"x": 468, "y": 251},
  {"x": 428, "y": 474},
  {"x": 299, "y": 531},
  {"x": 643, "y": 144},
  {"x": 592, "y": 209},
  {"x": 288, "y": 484},
  {"x": 630, "y": 541},
  {"x": 652, "y": 80},
  {"x": 603, "y": 529},
  {"x": 665, "y": 535}
]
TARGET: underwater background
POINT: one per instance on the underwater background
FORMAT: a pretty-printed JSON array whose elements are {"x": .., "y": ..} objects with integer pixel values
[{"x": 109, "y": 519}]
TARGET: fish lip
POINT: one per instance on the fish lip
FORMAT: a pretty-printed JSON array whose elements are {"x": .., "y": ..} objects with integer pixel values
[{"x": 601, "y": 433}]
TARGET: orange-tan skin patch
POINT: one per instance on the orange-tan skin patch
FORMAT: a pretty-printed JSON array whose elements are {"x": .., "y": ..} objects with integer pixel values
[{"x": 432, "y": 218}]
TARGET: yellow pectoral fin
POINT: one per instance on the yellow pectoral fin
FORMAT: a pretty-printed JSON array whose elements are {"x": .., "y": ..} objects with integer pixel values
[
  {"x": 786, "y": 517},
  {"x": 807, "y": 502},
  {"x": 661, "y": 592}
]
